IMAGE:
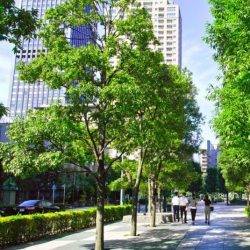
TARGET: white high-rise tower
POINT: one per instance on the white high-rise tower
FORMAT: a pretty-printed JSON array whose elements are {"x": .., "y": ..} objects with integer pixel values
[{"x": 167, "y": 22}]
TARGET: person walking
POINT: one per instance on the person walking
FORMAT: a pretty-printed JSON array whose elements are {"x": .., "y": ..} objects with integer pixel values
[
  {"x": 193, "y": 208},
  {"x": 176, "y": 206},
  {"x": 183, "y": 207},
  {"x": 207, "y": 209}
]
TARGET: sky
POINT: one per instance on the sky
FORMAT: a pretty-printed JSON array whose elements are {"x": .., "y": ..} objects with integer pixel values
[{"x": 196, "y": 56}]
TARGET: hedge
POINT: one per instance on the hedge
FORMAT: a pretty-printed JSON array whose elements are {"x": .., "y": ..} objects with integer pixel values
[
  {"x": 248, "y": 211},
  {"x": 24, "y": 228}
]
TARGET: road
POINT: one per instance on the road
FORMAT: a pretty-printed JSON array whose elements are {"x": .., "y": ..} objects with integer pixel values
[{"x": 229, "y": 230}]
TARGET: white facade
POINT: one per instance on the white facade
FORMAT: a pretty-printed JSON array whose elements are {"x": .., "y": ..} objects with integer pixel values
[
  {"x": 167, "y": 22},
  {"x": 208, "y": 157}
]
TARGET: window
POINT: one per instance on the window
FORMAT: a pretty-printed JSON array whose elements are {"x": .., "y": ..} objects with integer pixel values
[{"x": 171, "y": 8}]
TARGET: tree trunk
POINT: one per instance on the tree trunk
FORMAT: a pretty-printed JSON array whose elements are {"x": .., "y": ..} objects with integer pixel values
[
  {"x": 99, "y": 242},
  {"x": 248, "y": 195},
  {"x": 133, "y": 231},
  {"x": 149, "y": 195},
  {"x": 227, "y": 199},
  {"x": 153, "y": 203},
  {"x": 159, "y": 198},
  {"x": 135, "y": 192}
]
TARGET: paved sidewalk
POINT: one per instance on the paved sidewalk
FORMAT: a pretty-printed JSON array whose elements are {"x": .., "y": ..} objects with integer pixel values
[{"x": 229, "y": 229}]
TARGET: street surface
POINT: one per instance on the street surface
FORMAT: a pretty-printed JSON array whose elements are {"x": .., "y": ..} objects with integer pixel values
[{"x": 229, "y": 230}]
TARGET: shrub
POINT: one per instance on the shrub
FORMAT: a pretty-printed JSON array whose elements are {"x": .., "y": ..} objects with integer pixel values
[
  {"x": 23, "y": 228},
  {"x": 248, "y": 211}
]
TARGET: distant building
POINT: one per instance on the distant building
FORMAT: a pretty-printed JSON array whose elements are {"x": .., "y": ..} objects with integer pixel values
[
  {"x": 208, "y": 157},
  {"x": 167, "y": 25},
  {"x": 23, "y": 96},
  {"x": 4, "y": 125}
]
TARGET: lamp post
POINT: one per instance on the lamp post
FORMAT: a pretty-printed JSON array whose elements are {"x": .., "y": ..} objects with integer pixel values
[
  {"x": 64, "y": 187},
  {"x": 53, "y": 193}
]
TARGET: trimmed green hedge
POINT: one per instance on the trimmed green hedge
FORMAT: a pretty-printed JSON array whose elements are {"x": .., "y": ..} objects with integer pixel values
[
  {"x": 248, "y": 211},
  {"x": 23, "y": 228}
]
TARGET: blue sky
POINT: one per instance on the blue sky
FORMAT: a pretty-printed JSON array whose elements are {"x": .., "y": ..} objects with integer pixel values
[{"x": 197, "y": 57}]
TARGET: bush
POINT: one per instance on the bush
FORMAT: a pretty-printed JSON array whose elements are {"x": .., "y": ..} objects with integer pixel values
[
  {"x": 247, "y": 209},
  {"x": 23, "y": 228},
  {"x": 238, "y": 202}
]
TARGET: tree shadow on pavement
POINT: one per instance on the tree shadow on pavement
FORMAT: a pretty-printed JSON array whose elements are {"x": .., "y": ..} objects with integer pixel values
[{"x": 152, "y": 239}]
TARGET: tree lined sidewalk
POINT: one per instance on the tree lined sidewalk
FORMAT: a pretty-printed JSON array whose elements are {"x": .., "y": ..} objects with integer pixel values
[{"x": 229, "y": 229}]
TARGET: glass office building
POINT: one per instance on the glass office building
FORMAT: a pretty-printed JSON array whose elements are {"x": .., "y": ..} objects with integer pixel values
[{"x": 27, "y": 96}]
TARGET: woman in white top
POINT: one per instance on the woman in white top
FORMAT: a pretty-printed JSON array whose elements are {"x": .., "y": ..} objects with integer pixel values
[{"x": 193, "y": 208}]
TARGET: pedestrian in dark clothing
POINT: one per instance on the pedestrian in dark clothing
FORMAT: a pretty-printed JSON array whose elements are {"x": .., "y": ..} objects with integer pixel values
[
  {"x": 176, "y": 206},
  {"x": 193, "y": 208},
  {"x": 207, "y": 203},
  {"x": 183, "y": 207}
]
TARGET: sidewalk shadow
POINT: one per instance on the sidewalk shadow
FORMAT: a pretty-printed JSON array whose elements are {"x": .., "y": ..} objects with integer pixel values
[{"x": 153, "y": 239}]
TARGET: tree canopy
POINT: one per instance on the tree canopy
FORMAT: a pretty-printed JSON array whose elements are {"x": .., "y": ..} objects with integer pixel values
[
  {"x": 3, "y": 110},
  {"x": 229, "y": 36},
  {"x": 103, "y": 97},
  {"x": 120, "y": 95},
  {"x": 16, "y": 23}
]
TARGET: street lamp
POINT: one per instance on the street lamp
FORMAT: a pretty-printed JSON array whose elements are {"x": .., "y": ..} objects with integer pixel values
[
  {"x": 64, "y": 187},
  {"x": 53, "y": 193}
]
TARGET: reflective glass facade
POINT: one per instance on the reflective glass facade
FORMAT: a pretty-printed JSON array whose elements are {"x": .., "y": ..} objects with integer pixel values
[{"x": 27, "y": 96}]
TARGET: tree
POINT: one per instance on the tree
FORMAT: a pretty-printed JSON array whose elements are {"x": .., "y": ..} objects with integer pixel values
[
  {"x": 103, "y": 98},
  {"x": 161, "y": 130},
  {"x": 211, "y": 180},
  {"x": 3, "y": 110},
  {"x": 196, "y": 184},
  {"x": 16, "y": 23},
  {"x": 175, "y": 140},
  {"x": 228, "y": 35}
]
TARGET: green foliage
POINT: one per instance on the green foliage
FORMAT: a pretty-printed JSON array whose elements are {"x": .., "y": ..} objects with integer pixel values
[
  {"x": 3, "y": 110},
  {"x": 128, "y": 170},
  {"x": 178, "y": 175},
  {"x": 214, "y": 181},
  {"x": 195, "y": 185},
  {"x": 247, "y": 209},
  {"x": 211, "y": 180},
  {"x": 24, "y": 228},
  {"x": 228, "y": 35},
  {"x": 105, "y": 101},
  {"x": 44, "y": 141},
  {"x": 16, "y": 23}
]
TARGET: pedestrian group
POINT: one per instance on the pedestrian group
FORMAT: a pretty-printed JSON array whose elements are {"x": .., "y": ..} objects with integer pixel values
[{"x": 181, "y": 204}]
